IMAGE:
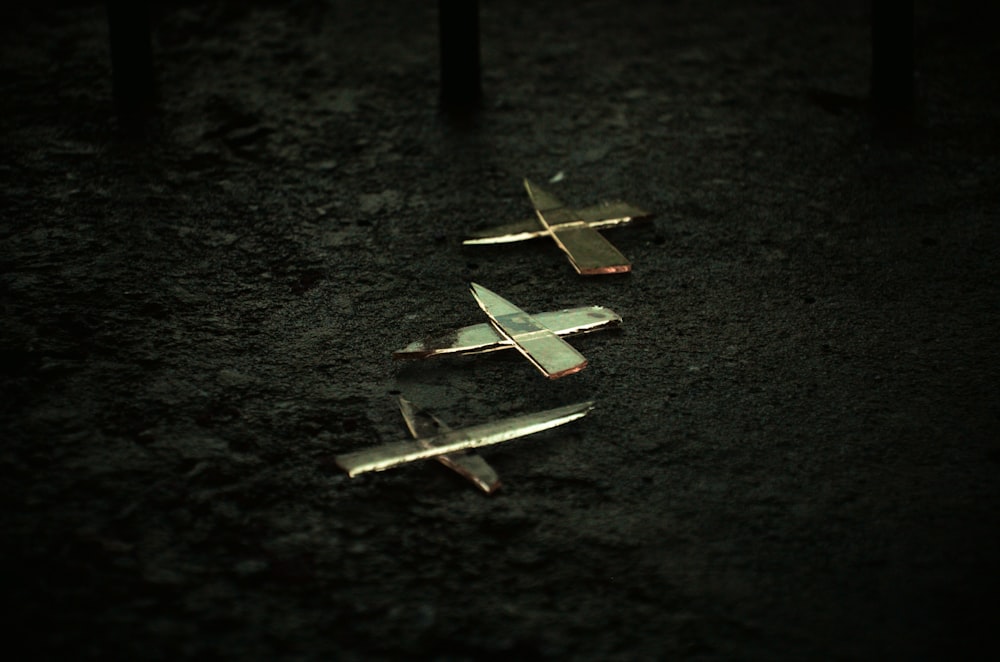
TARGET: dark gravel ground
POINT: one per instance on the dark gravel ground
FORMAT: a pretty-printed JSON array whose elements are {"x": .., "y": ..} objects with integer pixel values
[{"x": 796, "y": 444}]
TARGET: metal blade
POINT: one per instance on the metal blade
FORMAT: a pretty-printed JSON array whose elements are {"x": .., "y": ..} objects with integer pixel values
[
  {"x": 507, "y": 233},
  {"x": 610, "y": 214},
  {"x": 588, "y": 251},
  {"x": 467, "y": 464},
  {"x": 541, "y": 199},
  {"x": 604, "y": 215},
  {"x": 419, "y": 422},
  {"x": 392, "y": 455},
  {"x": 480, "y": 338},
  {"x": 553, "y": 356}
]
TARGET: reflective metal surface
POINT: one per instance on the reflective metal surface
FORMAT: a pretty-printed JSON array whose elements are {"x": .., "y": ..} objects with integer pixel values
[
  {"x": 467, "y": 464},
  {"x": 480, "y": 338},
  {"x": 552, "y": 355},
  {"x": 574, "y": 231},
  {"x": 588, "y": 251},
  {"x": 392, "y": 455},
  {"x": 605, "y": 215}
]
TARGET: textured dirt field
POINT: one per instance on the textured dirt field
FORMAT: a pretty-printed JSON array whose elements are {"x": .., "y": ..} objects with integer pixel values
[{"x": 795, "y": 449}]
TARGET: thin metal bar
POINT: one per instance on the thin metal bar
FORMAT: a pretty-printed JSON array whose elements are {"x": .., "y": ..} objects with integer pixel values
[
  {"x": 481, "y": 338},
  {"x": 552, "y": 355},
  {"x": 588, "y": 251},
  {"x": 466, "y": 464},
  {"x": 392, "y": 455}
]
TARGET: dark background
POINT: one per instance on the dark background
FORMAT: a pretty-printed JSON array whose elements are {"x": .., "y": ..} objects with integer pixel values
[{"x": 795, "y": 449}]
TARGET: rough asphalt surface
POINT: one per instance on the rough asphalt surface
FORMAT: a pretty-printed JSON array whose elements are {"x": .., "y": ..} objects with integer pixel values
[{"x": 795, "y": 449}]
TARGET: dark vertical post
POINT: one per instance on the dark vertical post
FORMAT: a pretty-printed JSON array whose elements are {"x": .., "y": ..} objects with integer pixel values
[
  {"x": 131, "y": 58},
  {"x": 458, "y": 23},
  {"x": 892, "y": 64}
]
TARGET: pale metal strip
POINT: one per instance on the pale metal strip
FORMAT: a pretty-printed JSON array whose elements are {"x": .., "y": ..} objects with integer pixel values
[
  {"x": 394, "y": 454},
  {"x": 552, "y": 355},
  {"x": 481, "y": 338},
  {"x": 588, "y": 251},
  {"x": 467, "y": 464}
]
